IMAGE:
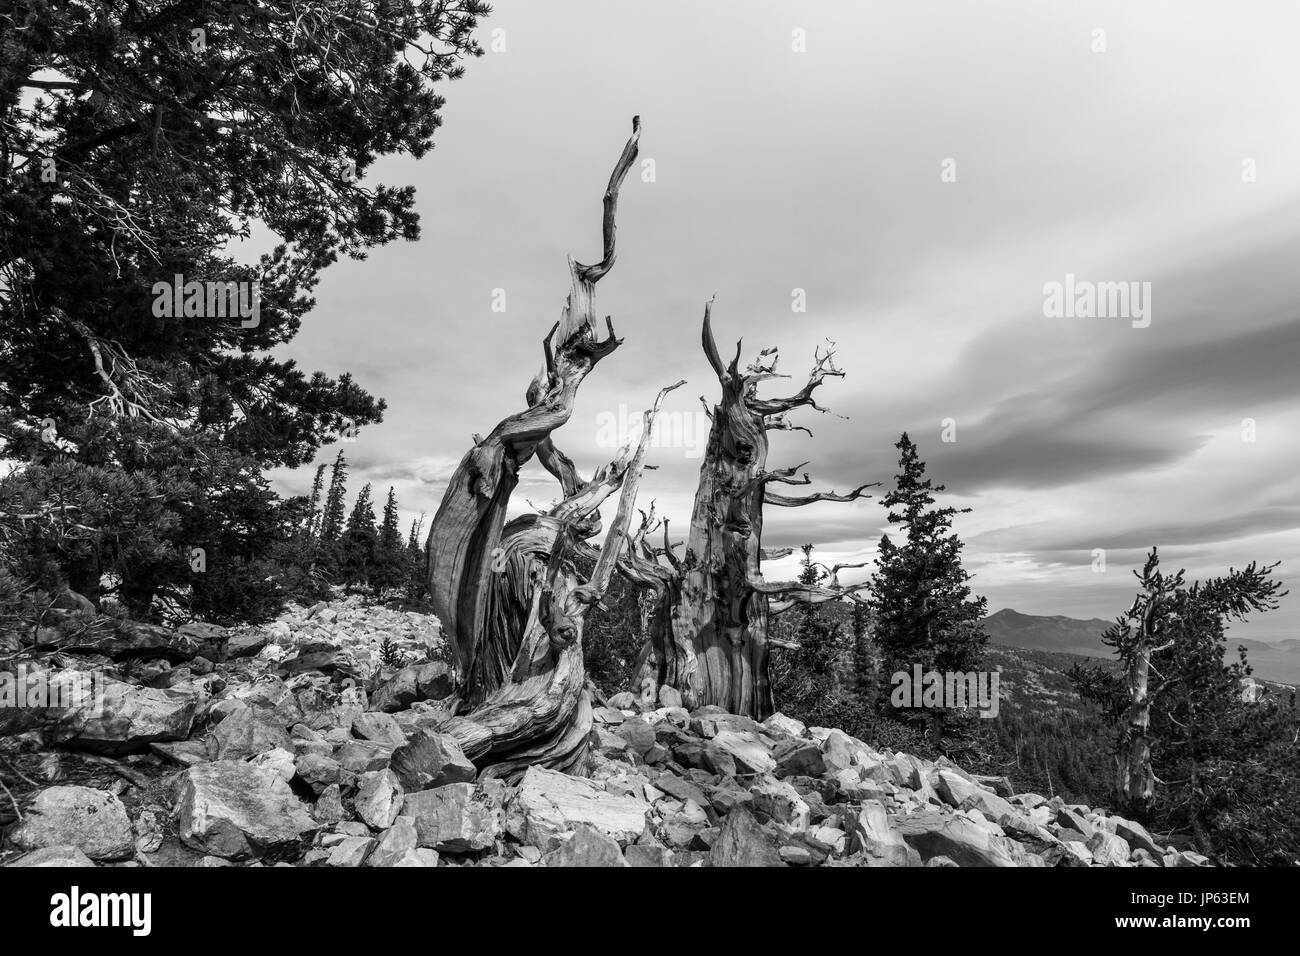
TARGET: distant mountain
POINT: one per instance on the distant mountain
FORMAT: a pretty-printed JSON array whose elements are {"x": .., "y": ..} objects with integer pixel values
[
  {"x": 1274, "y": 661},
  {"x": 1062, "y": 635}
]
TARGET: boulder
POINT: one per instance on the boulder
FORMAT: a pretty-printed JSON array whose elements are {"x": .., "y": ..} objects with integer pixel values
[
  {"x": 587, "y": 846},
  {"x": 250, "y": 730},
  {"x": 1135, "y": 834},
  {"x": 779, "y": 725},
  {"x": 394, "y": 843},
  {"x": 60, "y": 856},
  {"x": 548, "y": 804},
  {"x": 747, "y": 748},
  {"x": 431, "y": 760},
  {"x": 797, "y": 757},
  {"x": 429, "y": 681},
  {"x": 131, "y": 718},
  {"x": 92, "y": 821},
  {"x": 379, "y": 799},
  {"x": 458, "y": 817},
  {"x": 742, "y": 842},
  {"x": 933, "y": 833},
  {"x": 232, "y": 810},
  {"x": 880, "y": 843},
  {"x": 1108, "y": 849},
  {"x": 380, "y": 727},
  {"x": 779, "y": 801}
]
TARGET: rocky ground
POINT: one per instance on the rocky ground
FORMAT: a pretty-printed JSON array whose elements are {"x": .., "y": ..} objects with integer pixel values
[{"x": 295, "y": 744}]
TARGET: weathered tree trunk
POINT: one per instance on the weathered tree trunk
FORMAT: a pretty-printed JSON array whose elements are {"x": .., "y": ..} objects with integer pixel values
[
  {"x": 508, "y": 598},
  {"x": 723, "y": 606}
]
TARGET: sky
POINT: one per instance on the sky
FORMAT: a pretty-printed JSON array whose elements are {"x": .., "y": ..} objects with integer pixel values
[{"x": 907, "y": 181}]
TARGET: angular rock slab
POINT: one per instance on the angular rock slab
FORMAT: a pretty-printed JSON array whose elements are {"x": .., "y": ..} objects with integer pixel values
[
  {"x": 93, "y": 821},
  {"x": 231, "y": 810},
  {"x": 548, "y": 804},
  {"x": 459, "y": 817}
]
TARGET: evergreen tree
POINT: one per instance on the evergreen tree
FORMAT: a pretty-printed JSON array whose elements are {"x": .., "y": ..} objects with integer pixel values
[
  {"x": 1179, "y": 713},
  {"x": 314, "y": 502},
  {"x": 921, "y": 602},
  {"x": 391, "y": 551},
  {"x": 332, "y": 516},
  {"x": 360, "y": 541},
  {"x": 138, "y": 142}
]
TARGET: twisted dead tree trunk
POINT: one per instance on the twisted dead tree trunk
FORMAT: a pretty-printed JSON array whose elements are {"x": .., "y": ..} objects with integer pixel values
[
  {"x": 713, "y": 647},
  {"x": 508, "y": 597}
]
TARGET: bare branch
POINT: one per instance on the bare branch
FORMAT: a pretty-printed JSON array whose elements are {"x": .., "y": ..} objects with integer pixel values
[{"x": 798, "y": 501}]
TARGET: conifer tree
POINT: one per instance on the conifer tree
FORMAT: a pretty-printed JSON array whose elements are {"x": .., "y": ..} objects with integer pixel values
[
  {"x": 331, "y": 525},
  {"x": 921, "y": 602},
  {"x": 360, "y": 541}
]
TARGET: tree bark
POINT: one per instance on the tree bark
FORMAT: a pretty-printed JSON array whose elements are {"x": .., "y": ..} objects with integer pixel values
[{"x": 507, "y": 596}]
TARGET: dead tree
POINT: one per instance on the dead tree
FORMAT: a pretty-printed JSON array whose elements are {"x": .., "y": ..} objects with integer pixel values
[
  {"x": 713, "y": 646},
  {"x": 507, "y": 597}
]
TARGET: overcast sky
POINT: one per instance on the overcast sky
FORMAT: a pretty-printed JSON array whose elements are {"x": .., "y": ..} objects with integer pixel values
[{"x": 824, "y": 170}]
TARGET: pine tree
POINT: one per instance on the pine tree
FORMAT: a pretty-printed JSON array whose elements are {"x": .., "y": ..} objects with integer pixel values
[
  {"x": 331, "y": 524},
  {"x": 1177, "y": 706},
  {"x": 360, "y": 541},
  {"x": 313, "y": 503},
  {"x": 390, "y": 553},
  {"x": 416, "y": 586},
  {"x": 921, "y": 600}
]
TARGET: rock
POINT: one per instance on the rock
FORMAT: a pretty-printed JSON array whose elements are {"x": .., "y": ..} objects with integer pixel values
[
  {"x": 362, "y": 756},
  {"x": 325, "y": 706},
  {"x": 329, "y": 809},
  {"x": 999, "y": 785},
  {"x": 873, "y": 836},
  {"x": 799, "y": 758},
  {"x": 60, "y": 856},
  {"x": 431, "y": 760},
  {"x": 782, "y": 726},
  {"x": 640, "y": 736},
  {"x": 231, "y": 810},
  {"x": 420, "y": 856},
  {"x": 587, "y": 846},
  {"x": 838, "y": 751},
  {"x": 548, "y": 804},
  {"x": 93, "y": 821},
  {"x": 637, "y": 854},
  {"x": 318, "y": 772},
  {"x": 1186, "y": 858},
  {"x": 779, "y": 801},
  {"x": 246, "y": 644},
  {"x": 1107, "y": 848},
  {"x": 135, "y": 640},
  {"x": 940, "y": 861},
  {"x": 350, "y": 852},
  {"x": 458, "y": 817},
  {"x": 380, "y": 727},
  {"x": 742, "y": 842},
  {"x": 429, "y": 681},
  {"x": 957, "y": 791},
  {"x": 379, "y": 799},
  {"x": 131, "y": 718},
  {"x": 250, "y": 730},
  {"x": 398, "y": 840},
  {"x": 1070, "y": 818},
  {"x": 670, "y": 697},
  {"x": 1136, "y": 835},
  {"x": 932, "y": 833},
  {"x": 746, "y": 748},
  {"x": 796, "y": 855},
  {"x": 624, "y": 700}
]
